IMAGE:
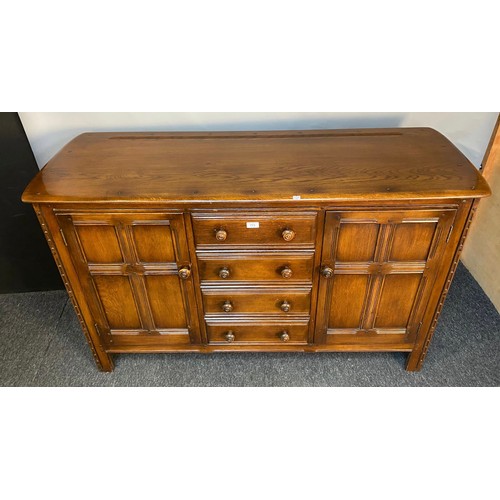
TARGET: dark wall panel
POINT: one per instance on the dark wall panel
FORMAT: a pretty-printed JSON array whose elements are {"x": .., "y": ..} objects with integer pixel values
[{"x": 26, "y": 263}]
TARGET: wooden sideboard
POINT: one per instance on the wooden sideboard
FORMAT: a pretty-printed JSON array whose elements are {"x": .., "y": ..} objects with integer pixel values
[{"x": 324, "y": 240}]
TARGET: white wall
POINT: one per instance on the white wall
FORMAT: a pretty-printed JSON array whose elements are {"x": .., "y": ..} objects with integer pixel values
[{"x": 49, "y": 132}]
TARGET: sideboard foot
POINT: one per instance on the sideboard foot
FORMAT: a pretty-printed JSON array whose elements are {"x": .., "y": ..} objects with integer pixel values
[
  {"x": 104, "y": 362},
  {"x": 414, "y": 361}
]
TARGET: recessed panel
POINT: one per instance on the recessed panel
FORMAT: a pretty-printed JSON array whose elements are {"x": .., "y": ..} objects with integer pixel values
[
  {"x": 154, "y": 243},
  {"x": 118, "y": 301},
  {"x": 397, "y": 298},
  {"x": 348, "y": 297},
  {"x": 357, "y": 242},
  {"x": 99, "y": 243},
  {"x": 165, "y": 300},
  {"x": 412, "y": 241}
]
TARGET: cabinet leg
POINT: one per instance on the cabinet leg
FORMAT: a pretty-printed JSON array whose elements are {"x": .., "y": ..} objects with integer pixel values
[
  {"x": 104, "y": 362},
  {"x": 415, "y": 360}
]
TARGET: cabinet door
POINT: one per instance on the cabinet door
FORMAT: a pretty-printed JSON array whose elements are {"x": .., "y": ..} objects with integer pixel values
[
  {"x": 382, "y": 267},
  {"x": 129, "y": 266}
]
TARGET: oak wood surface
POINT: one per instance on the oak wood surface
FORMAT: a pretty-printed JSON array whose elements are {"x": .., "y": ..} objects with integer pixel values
[
  {"x": 257, "y": 300},
  {"x": 328, "y": 165},
  {"x": 261, "y": 332},
  {"x": 71, "y": 280},
  {"x": 444, "y": 274},
  {"x": 254, "y": 228},
  {"x": 384, "y": 264},
  {"x": 253, "y": 266},
  {"x": 129, "y": 268},
  {"x": 196, "y": 242}
]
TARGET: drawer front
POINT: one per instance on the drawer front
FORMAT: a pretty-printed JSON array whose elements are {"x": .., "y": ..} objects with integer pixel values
[
  {"x": 283, "y": 268},
  {"x": 258, "y": 333},
  {"x": 261, "y": 300},
  {"x": 249, "y": 228}
]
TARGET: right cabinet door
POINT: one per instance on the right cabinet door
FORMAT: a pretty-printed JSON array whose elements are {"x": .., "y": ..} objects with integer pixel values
[{"x": 378, "y": 269}]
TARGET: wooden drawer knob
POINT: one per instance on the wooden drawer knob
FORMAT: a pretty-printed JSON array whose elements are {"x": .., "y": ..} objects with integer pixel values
[
  {"x": 224, "y": 273},
  {"x": 286, "y": 273},
  {"x": 229, "y": 336},
  {"x": 227, "y": 306},
  {"x": 221, "y": 235},
  {"x": 285, "y": 306},
  {"x": 288, "y": 234},
  {"x": 184, "y": 273},
  {"x": 284, "y": 337},
  {"x": 326, "y": 272}
]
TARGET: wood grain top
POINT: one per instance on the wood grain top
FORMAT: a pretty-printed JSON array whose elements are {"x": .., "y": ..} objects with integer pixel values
[{"x": 316, "y": 165}]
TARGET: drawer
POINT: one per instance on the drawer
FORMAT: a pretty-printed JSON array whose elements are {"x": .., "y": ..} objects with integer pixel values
[
  {"x": 250, "y": 228},
  {"x": 260, "y": 300},
  {"x": 231, "y": 333},
  {"x": 232, "y": 267}
]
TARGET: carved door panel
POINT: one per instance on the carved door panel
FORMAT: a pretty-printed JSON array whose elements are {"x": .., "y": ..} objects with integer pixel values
[
  {"x": 129, "y": 266},
  {"x": 378, "y": 269}
]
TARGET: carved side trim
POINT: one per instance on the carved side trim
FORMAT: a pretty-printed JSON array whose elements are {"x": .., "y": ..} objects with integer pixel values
[
  {"x": 67, "y": 284},
  {"x": 446, "y": 288}
]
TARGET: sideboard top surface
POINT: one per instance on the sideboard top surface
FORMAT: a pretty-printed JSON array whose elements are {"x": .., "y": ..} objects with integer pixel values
[{"x": 275, "y": 166}]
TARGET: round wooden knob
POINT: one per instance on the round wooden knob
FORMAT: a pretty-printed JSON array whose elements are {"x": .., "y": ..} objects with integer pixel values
[
  {"x": 288, "y": 234},
  {"x": 227, "y": 306},
  {"x": 286, "y": 273},
  {"x": 224, "y": 273},
  {"x": 284, "y": 337},
  {"x": 184, "y": 273},
  {"x": 327, "y": 272},
  {"x": 285, "y": 306},
  {"x": 221, "y": 235},
  {"x": 229, "y": 336}
]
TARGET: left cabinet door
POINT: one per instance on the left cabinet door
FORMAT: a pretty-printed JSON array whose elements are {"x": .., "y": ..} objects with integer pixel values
[{"x": 136, "y": 274}]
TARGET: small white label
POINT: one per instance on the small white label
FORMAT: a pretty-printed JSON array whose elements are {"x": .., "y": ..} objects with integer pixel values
[
  {"x": 296, "y": 197},
  {"x": 252, "y": 225}
]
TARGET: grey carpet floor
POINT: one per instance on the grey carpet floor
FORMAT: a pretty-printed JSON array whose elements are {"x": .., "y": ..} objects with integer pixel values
[{"x": 41, "y": 344}]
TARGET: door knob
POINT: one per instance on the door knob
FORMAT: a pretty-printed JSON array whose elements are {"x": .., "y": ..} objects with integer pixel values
[
  {"x": 326, "y": 272},
  {"x": 284, "y": 337},
  {"x": 285, "y": 306},
  {"x": 221, "y": 235},
  {"x": 227, "y": 306},
  {"x": 184, "y": 273},
  {"x": 224, "y": 273},
  {"x": 288, "y": 234}
]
